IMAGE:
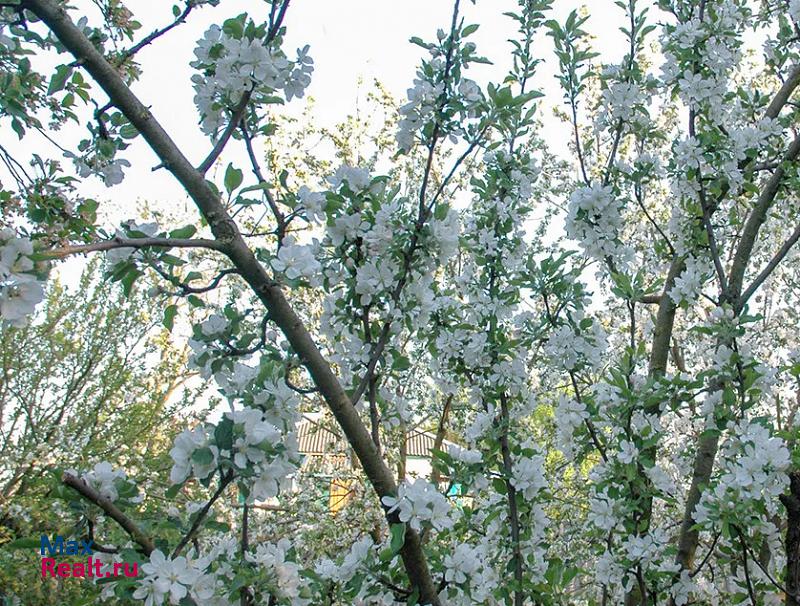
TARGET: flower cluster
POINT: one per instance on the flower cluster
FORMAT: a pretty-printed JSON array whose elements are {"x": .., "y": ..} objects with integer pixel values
[
  {"x": 462, "y": 564},
  {"x": 622, "y": 101},
  {"x": 753, "y": 469},
  {"x": 568, "y": 415},
  {"x": 578, "y": 344},
  {"x": 247, "y": 442},
  {"x": 422, "y": 101},
  {"x": 20, "y": 289},
  {"x": 352, "y": 562},
  {"x": 282, "y": 575},
  {"x": 688, "y": 284},
  {"x": 297, "y": 261},
  {"x": 131, "y": 229},
  {"x": 110, "y": 170},
  {"x": 419, "y": 502},
  {"x": 528, "y": 475},
  {"x": 441, "y": 95},
  {"x": 237, "y": 61},
  {"x": 112, "y": 483},
  {"x": 174, "y": 579},
  {"x": 594, "y": 219}
]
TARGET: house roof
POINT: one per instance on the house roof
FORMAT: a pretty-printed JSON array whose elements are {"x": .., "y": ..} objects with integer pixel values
[{"x": 315, "y": 438}]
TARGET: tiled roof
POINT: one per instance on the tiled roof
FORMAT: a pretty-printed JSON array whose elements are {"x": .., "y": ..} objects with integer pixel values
[{"x": 315, "y": 438}]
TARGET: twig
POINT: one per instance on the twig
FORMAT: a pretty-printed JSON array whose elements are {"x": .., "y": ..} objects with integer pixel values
[
  {"x": 127, "y": 54},
  {"x": 771, "y": 266},
  {"x": 236, "y": 118},
  {"x": 746, "y": 567},
  {"x": 201, "y": 515}
]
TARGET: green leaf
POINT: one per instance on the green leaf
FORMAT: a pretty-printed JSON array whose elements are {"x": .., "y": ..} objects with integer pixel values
[
  {"x": 386, "y": 555},
  {"x": 398, "y": 532},
  {"x": 530, "y": 96},
  {"x": 128, "y": 131},
  {"x": 16, "y": 126},
  {"x": 59, "y": 79},
  {"x": 223, "y": 434},
  {"x": 250, "y": 188},
  {"x": 401, "y": 362},
  {"x": 499, "y": 485},
  {"x": 195, "y": 301},
  {"x": 234, "y": 28},
  {"x": 23, "y": 544},
  {"x": 218, "y": 526},
  {"x": 470, "y": 29},
  {"x": 169, "y": 316},
  {"x": 233, "y": 178},
  {"x": 127, "y": 280},
  {"x": 203, "y": 456},
  {"x": 184, "y": 232}
]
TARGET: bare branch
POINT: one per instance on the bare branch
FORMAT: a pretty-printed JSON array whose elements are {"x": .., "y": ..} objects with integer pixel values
[
  {"x": 771, "y": 266},
  {"x": 152, "y": 37},
  {"x": 201, "y": 515},
  {"x": 137, "y": 243}
]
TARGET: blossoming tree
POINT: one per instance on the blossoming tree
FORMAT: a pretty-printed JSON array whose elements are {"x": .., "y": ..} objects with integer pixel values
[{"x": 625, "y": 390}]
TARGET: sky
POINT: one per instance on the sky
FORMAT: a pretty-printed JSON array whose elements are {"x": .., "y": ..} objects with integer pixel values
[{"x": 351, "y": 41}]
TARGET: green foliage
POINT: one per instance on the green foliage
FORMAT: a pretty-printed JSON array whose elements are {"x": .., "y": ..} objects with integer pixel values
[{"x": 91, "y": 379}]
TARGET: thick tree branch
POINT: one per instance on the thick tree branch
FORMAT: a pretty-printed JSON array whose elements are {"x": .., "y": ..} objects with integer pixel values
[
  {"x": 111, "y": 510},
  {"x": 234, "y": 246},
  {"x": 753, "y": 225}
]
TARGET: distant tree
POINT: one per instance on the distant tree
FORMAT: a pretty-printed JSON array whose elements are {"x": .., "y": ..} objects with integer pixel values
[{"x": 93, "y": 377}]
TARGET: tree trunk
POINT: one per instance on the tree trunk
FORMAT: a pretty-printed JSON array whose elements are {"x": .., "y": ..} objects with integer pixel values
[{"x": 792, "y": 503}]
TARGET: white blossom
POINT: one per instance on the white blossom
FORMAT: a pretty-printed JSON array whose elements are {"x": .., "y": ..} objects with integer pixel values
[
  {"x": 418, "y": 502},
  {"x": 166, "y": 576},
  {"x": 528, "y": 475},
  {"x": 357, "y": 179},
  {"x": 103, "y": 477},
  {"x": 461, "y": 564},
  {"x": 296, "y": 261}
]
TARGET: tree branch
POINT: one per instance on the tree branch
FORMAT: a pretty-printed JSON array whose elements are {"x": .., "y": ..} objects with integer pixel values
[
  {"x": 224, "y": 482},
  {"x": 771, "y": 266},
  {"x": 753, "y": 225},
  {"x": 137, "y": 243},
  {"x": 111, "y": 510},
  {"x": 152, "y": 37},
  {"x": 219, "y": 147},
  {"x": 252, "y": 271}
]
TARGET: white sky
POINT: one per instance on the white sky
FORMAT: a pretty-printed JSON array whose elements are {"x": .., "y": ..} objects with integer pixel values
[{"x": 350, "y": 40}]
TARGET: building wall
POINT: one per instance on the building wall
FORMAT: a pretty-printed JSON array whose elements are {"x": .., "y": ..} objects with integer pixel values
[{"x": 418, "y": 467}]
